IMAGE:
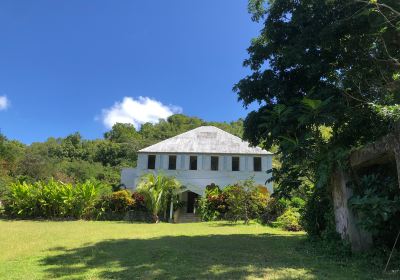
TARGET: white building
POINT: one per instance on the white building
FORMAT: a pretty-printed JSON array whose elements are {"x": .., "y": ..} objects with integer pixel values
[{"x": 200, "y": 157}]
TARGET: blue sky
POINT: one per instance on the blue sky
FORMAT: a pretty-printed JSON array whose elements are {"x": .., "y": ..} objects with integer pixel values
[{"x": 81, "y": 65}]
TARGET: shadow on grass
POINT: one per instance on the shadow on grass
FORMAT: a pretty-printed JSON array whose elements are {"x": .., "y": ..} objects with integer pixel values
[
  {"x": 195, "y": 257},
  {"x": 225, "y": 224}
]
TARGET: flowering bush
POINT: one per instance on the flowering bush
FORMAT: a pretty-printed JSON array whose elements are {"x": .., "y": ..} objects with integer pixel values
[
  {"x": 242, "y": 201},
  {"x": 139, "y": 201},
  {"x": 114, "y": 206},
  {"x": 213, "y": 205}
]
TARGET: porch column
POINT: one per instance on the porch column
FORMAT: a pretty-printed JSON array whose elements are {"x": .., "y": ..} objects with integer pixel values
[{"x": 171, "y": 211}]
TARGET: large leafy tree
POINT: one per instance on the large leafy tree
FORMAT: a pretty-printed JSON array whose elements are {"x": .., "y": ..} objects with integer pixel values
[
  {"x": 122, "y": 133},
  {"x": 326, "y": 74}
]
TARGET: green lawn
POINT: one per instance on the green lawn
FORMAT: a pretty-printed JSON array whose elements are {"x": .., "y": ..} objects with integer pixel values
[{"x": 113, "y": 250}]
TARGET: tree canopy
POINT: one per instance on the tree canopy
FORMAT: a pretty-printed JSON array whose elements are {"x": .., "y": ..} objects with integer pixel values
[{"x": 327, "y": 77}]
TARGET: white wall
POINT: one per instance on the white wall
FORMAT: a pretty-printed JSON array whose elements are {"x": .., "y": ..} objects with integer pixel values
[{"x": 197, "y": 180}]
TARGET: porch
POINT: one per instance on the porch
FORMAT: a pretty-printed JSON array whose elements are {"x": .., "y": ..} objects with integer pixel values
[{"x": 186, "y": 211}]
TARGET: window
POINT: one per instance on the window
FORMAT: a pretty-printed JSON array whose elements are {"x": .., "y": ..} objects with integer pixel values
[
  {"x": 257, "y": 164},
  {"x": 172, "y": 162},
  {"x": 151, "y": 162},
  {"x": 235, "y": 163},
  {"x": 214, "y": 163},
  {"x": 193, "y": 163}
]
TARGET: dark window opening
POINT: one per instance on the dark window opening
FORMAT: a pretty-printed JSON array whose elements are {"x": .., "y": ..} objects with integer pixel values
[
  {"x": 172, "y": 162},
  {"x": 193, "y": 163},
  {"x": 257, "y": 164},
  {"x": 235, "y": 163},
  {"x": 151, "y": 162},
  {"x": 214, "y": 163}
]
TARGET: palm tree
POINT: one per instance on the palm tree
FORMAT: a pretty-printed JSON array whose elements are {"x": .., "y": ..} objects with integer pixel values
[{"x": 158, "y": 190}]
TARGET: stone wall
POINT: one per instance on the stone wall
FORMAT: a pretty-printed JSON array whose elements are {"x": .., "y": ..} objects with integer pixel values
[
  {"x": 379, "y": 152},
  {"x": 345, "y": 219}
]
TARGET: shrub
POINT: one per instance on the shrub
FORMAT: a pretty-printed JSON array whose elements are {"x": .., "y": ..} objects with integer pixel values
[
  {"x": 114, "y": 206},
  {"x": 50, "y": 199},
  {"x": 274, "y": 208},
  {"x": 245, "y": 201},
  {"x": 212, "y": 206},
  {"x": 21, "y": 200},
  {"x": 139, "y": 203},
  {"x": 289, "y": 220},
  {"x": 242, "y": 201},
  {"x": 123, "y": 205}
]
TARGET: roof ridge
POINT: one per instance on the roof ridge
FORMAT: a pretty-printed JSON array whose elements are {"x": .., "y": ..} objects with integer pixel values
[{"x": 193, "y": 142}]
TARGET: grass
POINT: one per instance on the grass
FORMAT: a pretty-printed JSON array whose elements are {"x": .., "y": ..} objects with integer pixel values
[{"x": 113, "y": 250}]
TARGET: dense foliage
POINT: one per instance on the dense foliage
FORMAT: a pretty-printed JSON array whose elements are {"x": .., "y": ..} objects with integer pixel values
[
  {"x": 242, "y": 201},
  {"x": 245, "y": 201},
  {"x": 326, "y": 76},
  {"x": 122, "y": 205},
  {"x": 289, "y": 220},
  {"x": 376, "y": 201},
  {"x": 89, "y": 200},
  {"x": 317, "y": 218},
  {"x": 51, "y": 199},
  {"x": 115, "y": 205},
  {"x": 213, "y": 205}
]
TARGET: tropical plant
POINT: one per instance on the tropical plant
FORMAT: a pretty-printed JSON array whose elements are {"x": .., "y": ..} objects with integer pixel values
[
  {"x": 51, "y": 199},
  {"x": 158, "y": 190}
]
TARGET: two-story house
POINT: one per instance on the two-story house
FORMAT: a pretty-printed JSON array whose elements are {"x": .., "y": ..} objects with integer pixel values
[{"x": 200, "y": 157}]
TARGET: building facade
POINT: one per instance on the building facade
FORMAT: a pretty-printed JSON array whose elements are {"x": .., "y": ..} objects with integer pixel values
[{"x": 200, "y": 157}]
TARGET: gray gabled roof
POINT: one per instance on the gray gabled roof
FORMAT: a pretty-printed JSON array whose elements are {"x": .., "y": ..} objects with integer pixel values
[{"x": 205, "y": 140}]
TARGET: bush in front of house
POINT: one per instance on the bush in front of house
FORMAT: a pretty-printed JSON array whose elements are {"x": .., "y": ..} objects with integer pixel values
[
  {"x": 122, "y": 205},
  {"x": 51, "y": 199},
  {"x": 57, "y": 200},
  {"x": 115, "y": 205},
  {"x": 241, "y": 201},
  {"x": 212, "y": 206},
  {"x": 245, "y": 201}
]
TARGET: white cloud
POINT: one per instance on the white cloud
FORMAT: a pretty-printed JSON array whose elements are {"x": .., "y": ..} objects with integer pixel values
[
  {"x": 138, "y": 112},
  {"x": 4, "y": 103}
]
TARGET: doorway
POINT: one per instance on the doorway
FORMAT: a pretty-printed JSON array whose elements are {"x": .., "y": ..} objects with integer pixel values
[{"x": 191, "y": 200}]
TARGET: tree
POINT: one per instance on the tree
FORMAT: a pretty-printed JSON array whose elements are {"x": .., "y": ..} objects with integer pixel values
[
  {"x": 158, "y": 190},
  {"x": 122, "y": 133},
  {"x": 321, "y": 66}
]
